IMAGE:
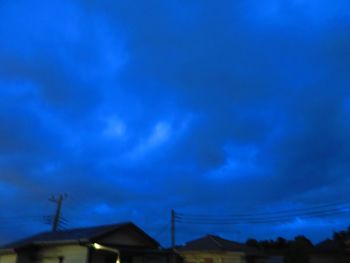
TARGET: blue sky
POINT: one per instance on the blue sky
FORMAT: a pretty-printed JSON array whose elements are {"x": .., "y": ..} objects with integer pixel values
[{"x": 211, "y": 107}]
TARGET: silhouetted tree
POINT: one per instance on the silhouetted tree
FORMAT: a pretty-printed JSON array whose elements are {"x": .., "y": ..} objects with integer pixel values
[
  {"x": 281, "y": 243},
  {"x": 301, "y": 243},
  {"x": 299, "y": 250},
  {"x": 251, "y": 242},
  {"x": 340, "y": 238}
]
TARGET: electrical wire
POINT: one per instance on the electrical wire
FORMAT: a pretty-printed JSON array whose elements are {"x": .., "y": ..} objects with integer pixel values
[
  {"x": 162, "y": 230},
  {"x": 296, "y": 210},
  {"x": 257, "y": 218},
  {"x": 268, "y": 217}
]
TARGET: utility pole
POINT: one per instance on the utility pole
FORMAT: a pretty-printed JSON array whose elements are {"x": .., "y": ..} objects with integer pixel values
[
  {"x": 57, "y": 216},
  {"x": 173, "y": 228}
]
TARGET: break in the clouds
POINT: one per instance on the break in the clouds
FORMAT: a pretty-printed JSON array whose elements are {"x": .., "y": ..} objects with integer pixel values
[{"x": 210, "y": 107}]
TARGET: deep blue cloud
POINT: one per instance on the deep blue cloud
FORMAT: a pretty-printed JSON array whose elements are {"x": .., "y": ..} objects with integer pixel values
[{"x": 134, "y": 109}]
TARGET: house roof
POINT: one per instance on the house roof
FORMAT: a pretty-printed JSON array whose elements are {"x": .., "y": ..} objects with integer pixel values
[
  {"x": 214, "y": 243},
  {"x": 76, "y": 235}
]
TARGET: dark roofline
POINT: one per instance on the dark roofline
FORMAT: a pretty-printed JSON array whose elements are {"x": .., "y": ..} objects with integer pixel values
[
  {"x": 131, "y": 224},
  {"x": 30, "y": 240},
  {"x": 112, "y": 228},
  {"x": 213, "y": 238},
  {"x": 220, "y": 243}
]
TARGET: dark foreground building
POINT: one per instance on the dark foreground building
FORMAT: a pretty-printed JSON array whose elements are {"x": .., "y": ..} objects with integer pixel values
[
  {"x": 215, "y": 249},
  {"x": 118, "y": 243}
]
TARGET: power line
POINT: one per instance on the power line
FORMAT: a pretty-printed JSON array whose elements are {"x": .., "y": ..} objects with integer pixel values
[
  {"x": 278, "y": 217},
  {"x": 162, "y": 230},
  {"x": 173, "y": 220},
  {"x": 20, "y": 217},
  {"x": 260, "y": 221},
  {"x": 2, "y": 226},
  {"x": 267, "y": 217},
  {"x": 288, "y": 211},
  {"x": 243, "y": 222}
]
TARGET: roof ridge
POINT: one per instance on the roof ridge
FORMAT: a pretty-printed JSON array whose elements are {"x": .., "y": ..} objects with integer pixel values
[
  {"x": 217, "y": 243},
  {"x": 229, "y": 240},
  {"x": 210, "y": 242},
  {"x": 99, "y": 230},
  {"x": 91, "y": 227}
]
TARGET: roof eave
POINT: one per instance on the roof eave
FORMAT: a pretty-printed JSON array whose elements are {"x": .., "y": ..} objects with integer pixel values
[
  {"x": 4, "y": 251},
  {"x": 62, "y": 242}
]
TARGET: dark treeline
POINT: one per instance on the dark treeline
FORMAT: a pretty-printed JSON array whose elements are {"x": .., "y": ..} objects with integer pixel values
[
  {"x": 338, "y": 240},
  {"x": 281, "y": 243},
  {"x": 299, "y": 249}
]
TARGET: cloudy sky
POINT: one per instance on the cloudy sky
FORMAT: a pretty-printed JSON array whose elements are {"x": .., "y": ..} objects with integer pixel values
[{"x": 133, "y": 108}]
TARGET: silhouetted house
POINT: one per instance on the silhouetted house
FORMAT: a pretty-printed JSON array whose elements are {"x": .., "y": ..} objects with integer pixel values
[
  {"x": 214, "y": 249},
  {"x": 121, "y": 243}
]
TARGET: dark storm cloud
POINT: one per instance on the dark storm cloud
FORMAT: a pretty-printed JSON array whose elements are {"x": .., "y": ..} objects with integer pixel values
[{"x": 186, "y": 105}]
